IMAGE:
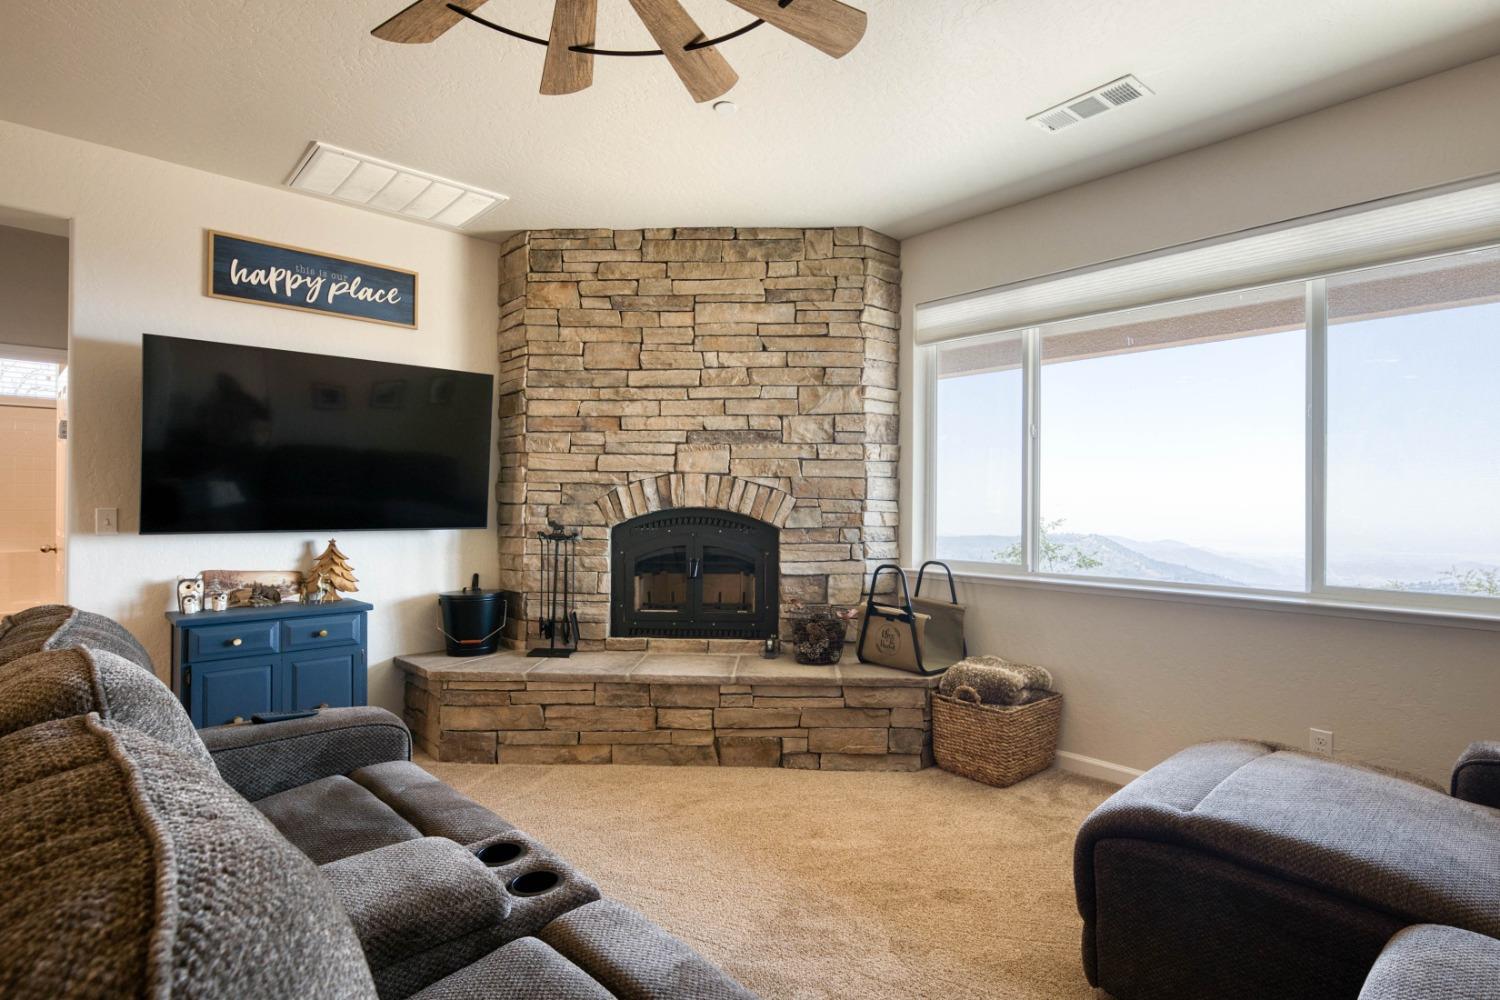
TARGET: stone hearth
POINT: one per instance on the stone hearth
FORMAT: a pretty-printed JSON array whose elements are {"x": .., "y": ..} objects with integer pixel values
[
  {"x": 651, "y": 708},
  {"x": 748, "y": 370}
]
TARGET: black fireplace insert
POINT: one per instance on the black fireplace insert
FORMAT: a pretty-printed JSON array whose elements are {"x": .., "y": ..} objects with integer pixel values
[{"x": 695, "y": 573}]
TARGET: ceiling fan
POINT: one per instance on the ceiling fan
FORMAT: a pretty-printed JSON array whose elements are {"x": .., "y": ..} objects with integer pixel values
[{"x": 828, "y": 25}]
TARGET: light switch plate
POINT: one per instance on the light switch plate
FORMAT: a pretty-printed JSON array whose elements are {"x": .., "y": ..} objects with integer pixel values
[{"x": 106, "y": 520}]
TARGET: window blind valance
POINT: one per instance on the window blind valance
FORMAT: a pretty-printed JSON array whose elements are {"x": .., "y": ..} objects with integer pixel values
[{"x": 1436, "y": 220}]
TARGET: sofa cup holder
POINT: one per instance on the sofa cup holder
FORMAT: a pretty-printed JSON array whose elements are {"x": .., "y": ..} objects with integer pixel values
[
  {"x": 534, "y": 883},
  {"x": 501, "y": 854}
]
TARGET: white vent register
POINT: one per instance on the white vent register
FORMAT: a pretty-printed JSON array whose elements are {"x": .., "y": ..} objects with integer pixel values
[
  {"x": 386, "y": 187},
  {"x": 1085, "y": 106}
]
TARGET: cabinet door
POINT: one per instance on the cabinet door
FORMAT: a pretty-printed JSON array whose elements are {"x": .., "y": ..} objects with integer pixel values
[
  {"x": 220, "y": 692},
  {"x": 324, "y": 677}
]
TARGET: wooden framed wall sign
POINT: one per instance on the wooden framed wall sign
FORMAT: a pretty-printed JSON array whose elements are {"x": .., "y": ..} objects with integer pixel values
[{"x": 293, "y": 278}]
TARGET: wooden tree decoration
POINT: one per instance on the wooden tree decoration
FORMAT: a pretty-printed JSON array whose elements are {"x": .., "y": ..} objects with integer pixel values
[{"x": 335, "y": 569}]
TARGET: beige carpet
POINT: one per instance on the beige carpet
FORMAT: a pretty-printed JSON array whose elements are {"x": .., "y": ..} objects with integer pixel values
[{"x": 807, "y": 884}]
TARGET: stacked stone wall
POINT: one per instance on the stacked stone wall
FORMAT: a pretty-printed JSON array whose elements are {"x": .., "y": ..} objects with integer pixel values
[
  {"x": 829, "y": 726},
  {"x": 749, "y": 369}
]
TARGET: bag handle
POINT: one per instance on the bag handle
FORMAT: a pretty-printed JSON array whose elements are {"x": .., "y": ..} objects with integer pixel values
[
  {"x": 952, "y": 587},
  {"x": 875, "y": 579}
]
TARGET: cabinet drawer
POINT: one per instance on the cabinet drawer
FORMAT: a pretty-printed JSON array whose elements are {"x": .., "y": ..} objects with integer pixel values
[
  {"x": 219, "y": 642},
  {"x": 324, "y": 630}
]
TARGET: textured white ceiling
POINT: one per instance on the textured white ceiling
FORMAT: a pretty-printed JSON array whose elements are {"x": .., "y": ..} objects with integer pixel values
[{"x": 922, "y": 125}]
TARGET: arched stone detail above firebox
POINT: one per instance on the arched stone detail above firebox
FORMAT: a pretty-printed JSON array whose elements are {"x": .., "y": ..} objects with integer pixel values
[{"x": 696, "y": 489}]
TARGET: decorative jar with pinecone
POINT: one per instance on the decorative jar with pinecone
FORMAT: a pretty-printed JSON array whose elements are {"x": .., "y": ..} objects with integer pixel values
[{"x": 818, "y": 633}]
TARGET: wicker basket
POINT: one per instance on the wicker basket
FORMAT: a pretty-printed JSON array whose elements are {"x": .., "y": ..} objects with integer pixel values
[{"x": 996, "y": 745}]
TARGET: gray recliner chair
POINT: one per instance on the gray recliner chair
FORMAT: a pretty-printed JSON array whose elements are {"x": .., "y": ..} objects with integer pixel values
[
  {"x": 1240, "y": 870},
  {"x": 308, "y": 857}
]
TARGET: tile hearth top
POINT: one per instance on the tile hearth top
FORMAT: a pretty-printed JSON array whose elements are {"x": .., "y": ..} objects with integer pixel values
[{"x": 655, "y": 668}]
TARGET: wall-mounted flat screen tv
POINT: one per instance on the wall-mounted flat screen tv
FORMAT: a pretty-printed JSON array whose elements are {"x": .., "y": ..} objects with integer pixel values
[{"x": 250, "y": 439}]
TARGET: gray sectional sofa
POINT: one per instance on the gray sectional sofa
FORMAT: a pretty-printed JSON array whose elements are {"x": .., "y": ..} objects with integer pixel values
[
  {"x": 305, "y": 858},
  {"x": 1240, "y": 871}
]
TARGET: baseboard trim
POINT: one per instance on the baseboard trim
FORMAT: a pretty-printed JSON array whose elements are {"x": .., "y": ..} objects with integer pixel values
[{"x": 1093, "y": 767}]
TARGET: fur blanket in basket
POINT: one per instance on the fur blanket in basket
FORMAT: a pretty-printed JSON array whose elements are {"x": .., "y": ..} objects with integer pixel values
[{"x": 995, "y": 681}]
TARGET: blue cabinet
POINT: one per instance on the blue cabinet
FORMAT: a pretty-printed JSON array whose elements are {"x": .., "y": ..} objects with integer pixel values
[{"x": 229, "y": 665}]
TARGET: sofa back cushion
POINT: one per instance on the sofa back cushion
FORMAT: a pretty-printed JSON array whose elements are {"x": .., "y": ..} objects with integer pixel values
[
  {"x": 58, "y": 683},
  {"x": 133, "y": 870},
  {"x": 57, "y": 626}
]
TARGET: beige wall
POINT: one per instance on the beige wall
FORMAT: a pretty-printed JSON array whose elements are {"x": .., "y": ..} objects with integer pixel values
[
  {"x": 1143, "y": 677},
  {"x": 33, "y": 289},
  {"x": 137, "y": 254}
]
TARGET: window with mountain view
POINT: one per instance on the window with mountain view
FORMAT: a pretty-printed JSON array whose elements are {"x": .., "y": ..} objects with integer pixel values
[
  {"x": 979, "y": 452},
  {"x": 1174, "y": 443},
  {"x": 1414, "y": 427}
]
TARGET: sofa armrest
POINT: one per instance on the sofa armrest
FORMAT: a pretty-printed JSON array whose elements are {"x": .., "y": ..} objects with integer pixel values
[
  {"x": 422, "y": 909},
  {"x": 1431, "y": 962},
  {"x": 1476, "y": 776},
  {"x": 261, "y": 760}
]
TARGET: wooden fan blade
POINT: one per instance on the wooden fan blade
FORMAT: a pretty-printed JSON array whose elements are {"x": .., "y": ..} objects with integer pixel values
[
  {"x": 704, "y": 72},
  {"x": 573, "y": 23},
  {"x": 827, "y": 25},
  {"x": 423, "y": 21}
]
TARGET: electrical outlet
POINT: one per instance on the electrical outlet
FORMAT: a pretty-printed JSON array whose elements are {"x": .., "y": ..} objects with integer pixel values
[
  {"x": 1320, "y": 741},
  {"x": 106, "y": 520}
]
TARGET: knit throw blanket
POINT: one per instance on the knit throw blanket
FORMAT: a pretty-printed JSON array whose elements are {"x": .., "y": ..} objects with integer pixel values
[{"x": 996, "y": 681}]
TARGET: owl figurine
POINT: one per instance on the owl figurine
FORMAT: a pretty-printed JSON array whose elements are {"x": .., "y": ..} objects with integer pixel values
[{"x": 190, "y": 595}]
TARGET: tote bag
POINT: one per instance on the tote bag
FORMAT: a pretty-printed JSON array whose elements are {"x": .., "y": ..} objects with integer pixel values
[{"x": 904, "y": 637}]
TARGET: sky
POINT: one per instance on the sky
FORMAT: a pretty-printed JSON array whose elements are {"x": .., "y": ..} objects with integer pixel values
[{"x": 1204, "y": 444}]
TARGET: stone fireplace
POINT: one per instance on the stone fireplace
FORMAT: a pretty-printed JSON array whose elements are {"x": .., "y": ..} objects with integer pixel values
[{"x": 716, "y": 407}]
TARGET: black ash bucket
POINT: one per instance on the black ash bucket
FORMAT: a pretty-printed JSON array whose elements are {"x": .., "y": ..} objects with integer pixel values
[{"x": 472, "y": 620}]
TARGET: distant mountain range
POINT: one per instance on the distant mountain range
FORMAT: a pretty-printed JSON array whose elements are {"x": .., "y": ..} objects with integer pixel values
[
  {"x": 1171, "y": 561},
  {"x": 1127, "y": 558}
]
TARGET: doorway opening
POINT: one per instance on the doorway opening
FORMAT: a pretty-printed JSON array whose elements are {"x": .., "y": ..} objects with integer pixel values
[{"x": 33, "y": 409}]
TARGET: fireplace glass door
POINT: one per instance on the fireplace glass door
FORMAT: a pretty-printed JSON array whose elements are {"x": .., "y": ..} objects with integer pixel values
[
  {"x": 728, "y": 582},
  {"x": 661, "y": 582},
  {"x": 695, "y": 574}
]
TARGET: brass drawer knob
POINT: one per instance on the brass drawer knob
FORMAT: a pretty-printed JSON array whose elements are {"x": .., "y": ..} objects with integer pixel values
[
  {"x": 236, "y": 642},
  {"x": 322, "y": 633}
]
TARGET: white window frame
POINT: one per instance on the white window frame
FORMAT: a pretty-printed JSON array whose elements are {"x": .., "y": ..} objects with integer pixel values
[{"x": 1317, "y": 596}]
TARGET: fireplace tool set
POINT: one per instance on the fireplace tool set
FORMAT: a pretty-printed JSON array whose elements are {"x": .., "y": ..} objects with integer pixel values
[{"x": 560, "y": 624}]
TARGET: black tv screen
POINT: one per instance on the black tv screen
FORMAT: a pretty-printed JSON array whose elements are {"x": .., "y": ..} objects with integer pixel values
[{"x": 251, "y": 439}]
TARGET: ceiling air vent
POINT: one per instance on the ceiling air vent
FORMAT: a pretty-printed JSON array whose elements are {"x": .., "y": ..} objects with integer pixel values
[
  {"x": 1092, "y": 104},
  {"x": 385, "y": 187}
]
